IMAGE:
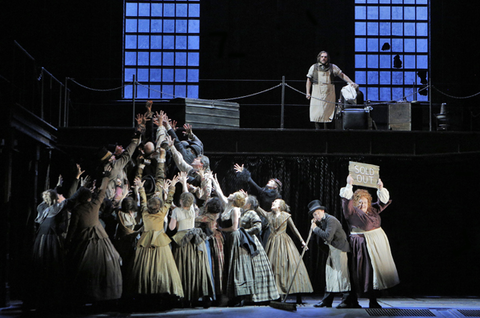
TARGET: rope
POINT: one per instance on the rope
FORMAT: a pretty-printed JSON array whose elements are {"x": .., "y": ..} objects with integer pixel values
[
  {"x": 95, "y": 89},
  {"x": 456, "y": 97}
]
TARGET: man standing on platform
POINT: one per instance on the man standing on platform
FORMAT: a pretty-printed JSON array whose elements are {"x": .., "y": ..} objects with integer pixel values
[
  {"x": 320, "y": 86},
  {"x": 337, "y": 276}
]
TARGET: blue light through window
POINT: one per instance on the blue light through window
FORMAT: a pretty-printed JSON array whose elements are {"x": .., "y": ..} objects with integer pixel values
[
  {"x": 385, "y": 29},
  {"x": 161, "y": 48}
]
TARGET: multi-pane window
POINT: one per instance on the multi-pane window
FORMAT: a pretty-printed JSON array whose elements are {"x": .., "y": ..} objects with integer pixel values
[
  {"x": 161, "y": 48},
  {"x": 391, "y": 49}
]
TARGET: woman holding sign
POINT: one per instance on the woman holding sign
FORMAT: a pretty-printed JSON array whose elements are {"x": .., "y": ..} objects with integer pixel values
[{"x": 373, "y": 268}]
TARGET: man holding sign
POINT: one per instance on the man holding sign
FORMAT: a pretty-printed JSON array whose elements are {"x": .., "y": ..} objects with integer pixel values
[{"x": 373, "y": 268}]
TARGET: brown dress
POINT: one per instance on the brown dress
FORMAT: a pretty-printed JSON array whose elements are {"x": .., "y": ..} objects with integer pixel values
[
  {"x": 154, "y": 270},
  {"x": 94, "y": 264},
  {"x": 284, "y": 256}
]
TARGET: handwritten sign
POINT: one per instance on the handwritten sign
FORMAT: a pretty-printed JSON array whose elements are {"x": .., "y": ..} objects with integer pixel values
[{"x": 364, "y": 174}]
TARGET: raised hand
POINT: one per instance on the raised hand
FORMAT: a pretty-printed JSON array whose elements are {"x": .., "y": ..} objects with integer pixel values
[{"x": 238, "y": 168}]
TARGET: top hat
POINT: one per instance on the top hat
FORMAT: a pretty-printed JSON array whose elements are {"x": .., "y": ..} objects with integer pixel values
[{"x": 315, "y": 205}]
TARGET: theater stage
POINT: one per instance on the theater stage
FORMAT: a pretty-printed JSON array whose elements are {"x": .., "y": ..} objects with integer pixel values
[{"x": 421, "y": 306}]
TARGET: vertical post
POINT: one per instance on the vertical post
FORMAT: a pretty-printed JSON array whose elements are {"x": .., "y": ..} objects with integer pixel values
[
  {"x": 65, "y": 104},
  {"x": 283, "y": 103},
  {"x": 429, "y": 87},
  {"x": 134, "y": 93},
  {"x": 42, "y": 95}
]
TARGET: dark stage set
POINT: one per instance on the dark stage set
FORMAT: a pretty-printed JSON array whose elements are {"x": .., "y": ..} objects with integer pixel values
[{"x": 430, "y": 170}]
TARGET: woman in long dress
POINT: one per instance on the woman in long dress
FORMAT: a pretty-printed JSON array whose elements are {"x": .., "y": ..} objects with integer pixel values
[
  {"x": 190, "y": 250},
  {"x": 47, "y": 282},
  {"x": 264, "y": 280},
  {"x": 239, "y": 282},
  {"x": 93, "y": 262},
  {"x": 154, "y": 270},
  {"x": 208, "y": 220},
  {"x": 373, "y": 268},
  {"x": 283, "y": 253}
]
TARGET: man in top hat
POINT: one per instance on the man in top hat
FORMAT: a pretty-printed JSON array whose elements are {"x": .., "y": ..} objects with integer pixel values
[{"x": 337, "y": 276}]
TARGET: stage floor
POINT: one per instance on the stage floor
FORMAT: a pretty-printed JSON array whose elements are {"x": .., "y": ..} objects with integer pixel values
[{"x": 422, "y": 306}]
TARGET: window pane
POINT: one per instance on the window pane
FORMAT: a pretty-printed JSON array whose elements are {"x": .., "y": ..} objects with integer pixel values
[
  {"x": 397, "y": 13},
  {"x": 193, "y": 26},
  {"x": 372, "y": 61},
  {"x": 372, "y": 93},
  {"x": 372, "y": 28},
  {"x": 385, "y": 13},
  {"x": 193, "y": 59},
  {"x": 193, "y": 42},
  {"x": 360, "y": 61},
  {"x": 361, "y": 77},
  {"x": 127, "y": 92},
  {"x": 181, "y": 26},
  {"x": 422, "y": 29},
  {"x": 410, "y": 29},
  {"x": 409, "y": 13},
  {"x": 360, "y": 28},
  {"x": 372, "y": 78},
  {"x": 156, "y": 58},
  {"x": 385, "y": 28},
  {"x": 181, "y": 59},
  {"x": 409, "y": 45},
  {"x": 385, "y": 94},
  {"x": 372, "y": 13},
  {"x": 181, "y": 42},
  {"x": 422, "y": 62},
  {"x": 156, "y": 75},
  {"x": 142, "y": 75},
  {"x": 180, "y": 91},
  {"x": 169, "y": 42},
  {"x": 144, "y": 25},
  {"x": 130, "y": 58},
  {"x": 168, "y": 58},
  {"x": 397, "y": 93},
  {"x": 397, "y": 29},
  {"x": 131, "y": 25},
  {"x": 410, "y": 78},
  {"x": 360, "y": 13},
  {"x": 156, "y": 42},
  {"x": 167, "y": 75},
  {"x": 422, "y": 13},
  {"x": 397, "y": 78},
  {"x": 182, "y": 10},
  {"x": 143, "y": 42},
  {"x": 167, "y": 91},
  {"x": 192, "y": 91},
  {"x": 129, "y": 72},
  {"x": 169, "y": 26},
  {"x": 397, "y": 45},
  {"x": 169, "y": 10},
  {"x": 373, "y": 45},
  {"x": 385, "y": 61},
  {"x": 360, "y": 45},
  {"x": 142, "y": 92},
  {"x": 143, "y": 58},
  {"x": 180, "y": 75},
  {"x": 155, "y": 91},
  {"x": 157, "y": 9},
  {"x": 130, "y": 42},
  {"x": 131, "y": 9},
  {"x": 409, "y": 61},
  {"x": 157, "y": 26},
  {"x": 144, "y": 9},
  {"x": 193, "y": 75},
  {"x": 385, "y": 78},
  {"x": 194, "y": 10}
]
